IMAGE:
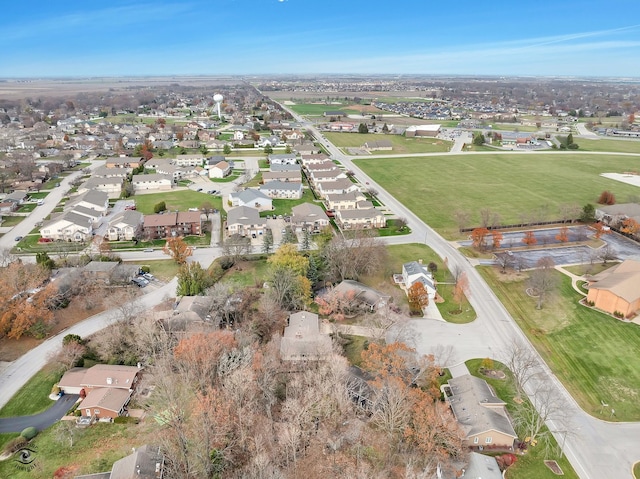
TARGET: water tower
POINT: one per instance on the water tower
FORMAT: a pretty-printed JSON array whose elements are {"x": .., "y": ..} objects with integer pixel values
[{"x": 218, "y": 99}]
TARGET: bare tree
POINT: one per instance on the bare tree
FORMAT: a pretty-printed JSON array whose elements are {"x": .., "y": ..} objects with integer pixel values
[
  {"x": 236, "y": 246},
  {"x": 543, "y": 279},
  {"x": 504, "y": 260},
  {"x": 530, "y": 416},
  {"x": 489, "y": 218},
  {"x": 607, "y": 253},
  {"x": 6, "y": 257},
  {"x": 523, "y": 363},
  {"x": 350, "y": 258},
  {"x": 462, "y": 219}
]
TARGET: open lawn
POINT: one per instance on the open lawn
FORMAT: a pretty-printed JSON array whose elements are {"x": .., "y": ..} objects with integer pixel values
[
  {"x": 509, "y": 184},
  {"x": 247, "y": 273},
  {"x": 606, "y": 144},
  {"x": 314, "y": 109},
  {"x": 594, "y": 355},
  {"x": 33, "y": 397},
  {"x": 12, "y": 220},
  {"x": 531, "y": 465},
  {"x": 175, "y": 200},
  {"x": 283, "y": 207},
  {"x": 95, "y": 449},
  {"x": 353, "y": 347},
  {"x": 400, "y": 143},
  {"x": 163, "y": 269}
]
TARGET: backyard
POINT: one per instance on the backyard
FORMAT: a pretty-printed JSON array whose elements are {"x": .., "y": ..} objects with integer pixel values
[
  {"x": 400, "y": 143},
  {"x": 593, "y": 354},
  {"x": 508, "y": 184}
]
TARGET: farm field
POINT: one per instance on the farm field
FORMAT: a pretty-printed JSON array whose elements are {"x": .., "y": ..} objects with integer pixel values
[
  {"x": 508, "y": 184},
  {"x": 400, "y": 143},
  {"x": 175, "y": 200},
  {"x": 593, "y": 354},
  {"x": 606, "y": 144}
]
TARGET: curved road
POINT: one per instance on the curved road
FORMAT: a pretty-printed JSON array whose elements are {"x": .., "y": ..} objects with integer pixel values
[{"x": 596, "y": 449}]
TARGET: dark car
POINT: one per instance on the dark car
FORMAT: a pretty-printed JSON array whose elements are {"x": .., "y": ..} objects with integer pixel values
[{"x": 18, "y": 238}]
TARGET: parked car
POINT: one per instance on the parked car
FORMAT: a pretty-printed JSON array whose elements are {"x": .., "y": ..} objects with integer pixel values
[
  {"x": 199, "y": 189},
  {"x": 148, "y": 250},
  {"x": 148, "y": 276},
  {"x": 18, "y": 238}
]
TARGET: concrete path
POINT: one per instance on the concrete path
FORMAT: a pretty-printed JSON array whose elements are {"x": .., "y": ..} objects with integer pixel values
[
  {"x": 574, "y": 279},
  {"x": 40, "y": 421},
  {"x": 459, "y": 370}
]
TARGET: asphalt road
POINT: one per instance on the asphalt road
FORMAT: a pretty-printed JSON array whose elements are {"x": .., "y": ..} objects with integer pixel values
[{"x": 40, "y": 421}]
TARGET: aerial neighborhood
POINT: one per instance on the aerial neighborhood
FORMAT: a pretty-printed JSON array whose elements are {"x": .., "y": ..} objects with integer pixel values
[{"x": 338, "y": 277}]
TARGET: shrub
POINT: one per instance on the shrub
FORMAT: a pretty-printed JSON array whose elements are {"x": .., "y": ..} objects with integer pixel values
[
  {"x": 158, "y": 207},
  {"x": 618, "y": 314},
  {"x": 29, "y": 433},
  {"x": 55, "y": 389},
  {"x": 14, "y": 445},
  {"x": 126, "y": 420},
  {"x": 77, "y": 413},
  {"x": 145, "y": 269}
]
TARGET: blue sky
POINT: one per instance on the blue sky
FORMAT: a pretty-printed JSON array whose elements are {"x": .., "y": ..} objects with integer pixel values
[{"x": 186, "y": 37}]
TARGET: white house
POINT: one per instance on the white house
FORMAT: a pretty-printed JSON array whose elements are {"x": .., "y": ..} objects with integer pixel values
[
  {"x": 112, "y": 186},
  {"x": 125, "y": 225},
  {"x": 310, "y": 217},
  {"x": 339, "y": 186},
  {"x": 68, "y": 226},
  {"x": 414, "y": 272},
  {"x": 360, "y": 218},
  {"x": 282, "y": 190},
  {"x": 245, "y": 221},
  {"x": 154, "y": 181},
  {"x": 220, "y": 170},
  {"x": 252, "y": 198},
  {"x": 92, "y": 199},
  {"x": 283, "y": 159},
  {"x": 189, "y": 160}
]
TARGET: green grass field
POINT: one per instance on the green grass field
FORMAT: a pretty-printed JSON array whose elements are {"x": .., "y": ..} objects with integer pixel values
[
  {"x": 33, "y": 397},
  {"x": 531, "y": 465},
  {"x": 606, "y": 144},
  {"x": 593, "y": 355},
  {"x": 509, "y": 184},
  {"x": 400, "y": 143},
  {"x": 163, "y": 269},
  {"x": 12, "y": 220},
  {"x": 313, "y": 109},
  {"x": 283, "y": 207},
  {"x": 176, "y": 200}
]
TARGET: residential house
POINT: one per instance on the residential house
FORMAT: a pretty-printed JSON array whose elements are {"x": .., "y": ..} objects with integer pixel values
[
  {"x": 171, "y": 225},
  {"x": 282, "y": 190},
  {"x": 16, "y": 197},
  {"x": 189, "y": 160},
  {"x": 154, "y": 181},
  {"x": 481, "y": 414},
  {"x": 92, "y": 199},
  {"x": 105, "y": 172},
  {"x": 414, "y": 272},
  {"x": 109, "y": 272},
  {"x": 285, "y": 167},
  {"x": 617, "y": 290},
  {"x": 93, "y": 215},
  {"x": 302, "y": 339},
  {"x": 67, "y": 226},
  {"x": 283, "y": 159},
  {"x": 360, "y": 218},
  {"x": 245, "y": 221},
  {"x": 310, "y": 217},
  {"x": 146, "y": 462},
  {"x": 325, "y": 165},
  {"x": 106, "y": 389},
  {"x": 285, "y": 176},
  {"x": 221, "y": 169},
  {"x": 8, "y": 207},
  {"x": 326, "y": 175},
  {"x": 252, "y": 198},
  {"x": 214, "y": 160},
  {"x": 307, "y": 160},
  {"x": 362, "y": 294},
  {"x": 111, "y": 186},
  {"x": 125, "y": 226},
  {"x": 339, "y": 186},
  {"x": 192, "y": 308},
  {"x": 175, "y": 172},
  {"x": 344, "y": 201},
  {"x": 123, "y": 162}
]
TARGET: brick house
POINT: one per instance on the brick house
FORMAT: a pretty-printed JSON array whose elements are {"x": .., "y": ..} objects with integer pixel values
[{"x": 170, "y": 225}]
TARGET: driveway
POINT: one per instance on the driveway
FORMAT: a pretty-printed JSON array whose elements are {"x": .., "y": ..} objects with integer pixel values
[{"x": 39, "y": 421}]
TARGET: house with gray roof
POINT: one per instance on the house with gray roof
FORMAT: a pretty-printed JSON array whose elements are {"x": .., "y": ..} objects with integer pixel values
[
  {"x": 245, "y": 221},
  {"x": 282, "y": 189},
  {"x": 302, "y": 339},
  {"x": 310, "y": 217},
  {"x": 414, "y": 272},
  {"x": 112, "y": 186},
  {"x": 68, "y": 226},
  {"x": 146, "y": 462},
  {"x": 251, "y": 197},
  {"x": 481, "y": 414},
  {"x": 93, "y": 199},
  {"x": 125, "y": 226},
  {"x": 283, "y": 159},
  {"x": 285, "y": 167}
]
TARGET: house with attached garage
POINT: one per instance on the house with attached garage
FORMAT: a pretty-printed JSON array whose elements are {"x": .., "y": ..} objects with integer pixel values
[
  {"x": 339, "y": 186},
  {"x": 69, "y": 226},
  {"x": 360, "y": 219},
  {"x": 125, "y": 226},
  {"x": 344, "y": 201},
  {"x": 105, "y": 389},
  {"x": 283, "y": 159},
  {"x": 245, "y": 221},
  {"x": 481, "y": 414},
  {"x": 111, "y": 186},
  {"x": 310, "y": 217},
  {"x": 332, "y": 174},
  {"x": 282, "y": 190},
  {"x": 414, "y": 272}
]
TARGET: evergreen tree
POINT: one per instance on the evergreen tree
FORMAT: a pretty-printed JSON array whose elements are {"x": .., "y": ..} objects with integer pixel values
[{"x": 362, "y": 128}]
